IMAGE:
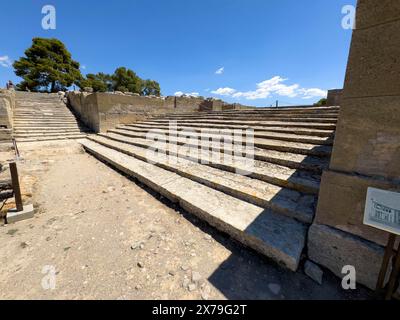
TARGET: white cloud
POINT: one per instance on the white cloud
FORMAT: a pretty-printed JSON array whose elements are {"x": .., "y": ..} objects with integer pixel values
[
  {"x": 83, "y": 67},
  {"x": 273, "y": 86},
  {"x": 313, "y": 93},
  {"x": 224, "y": 91},
  {"x": 5, "y": 61},
  {"x": 220, "y": 70},
  {"x": 192, "y": 94}
]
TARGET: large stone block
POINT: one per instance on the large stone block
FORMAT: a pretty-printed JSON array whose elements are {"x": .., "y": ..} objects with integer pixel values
[
  {"x": 335, "y": 249},
  {"x": 371, "y": 12},
  {"x": 373, "y": 67},
  {"x": 342, "y": 203},
  {"x": 368, "y": 137}
]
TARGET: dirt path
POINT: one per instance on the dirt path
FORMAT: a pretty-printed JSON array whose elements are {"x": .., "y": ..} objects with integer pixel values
[{"x": 104, "y": 237}]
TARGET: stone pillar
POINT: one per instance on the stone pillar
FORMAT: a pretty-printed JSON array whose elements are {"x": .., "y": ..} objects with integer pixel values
[
  {"x": 366, "y": 150},
  {"x": 334, "y": 97}
]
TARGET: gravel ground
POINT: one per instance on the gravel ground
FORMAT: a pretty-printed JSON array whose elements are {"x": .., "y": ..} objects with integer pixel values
[{"x": 99, "y": 235}]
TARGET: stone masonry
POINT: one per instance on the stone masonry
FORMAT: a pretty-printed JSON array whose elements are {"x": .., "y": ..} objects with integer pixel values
[{"x": 366, "y": 150}]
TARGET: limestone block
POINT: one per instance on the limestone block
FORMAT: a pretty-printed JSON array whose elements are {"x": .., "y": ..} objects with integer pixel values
[
  {"x": 368, "y": 137},
  {"x": 13, "y": 216},
  {"x": 372, "y": 12},
  {"x": 373, "y": 67},
  {"x": 342, "y": 203},
  {"x": 335, "y": 249}
]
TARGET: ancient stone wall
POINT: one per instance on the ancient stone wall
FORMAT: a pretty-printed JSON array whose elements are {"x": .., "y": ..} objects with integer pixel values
[
  {"x": 7, "y": 105},
  {"x": 103, "y": 111},
  {"x": 366, "y": 151},
  {"x": 334, "y": 97}
]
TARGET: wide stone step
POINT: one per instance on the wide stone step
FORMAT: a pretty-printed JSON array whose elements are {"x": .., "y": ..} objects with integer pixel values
[
  {"x": 43, "y": 117},
  {"x": 47, "y": 128},
  {"x": 207, "y": 128},
  {"x": 47, "y": 134},
  {"x": 175, "y": 131},
  {"x": 253, "y": 117},
  {"x": 273, "y": 235},
  {"x": 269, "y": 110},
  {"x": 51, "y": 131},
  {"x": 52, "y": 138},
  {"x": 259, "y": 119},
  {"x": 299, "y": 180},
  {"x": 285, "y": 201},
  {"x": 287, "y": 159},
  {"x": 265, "y": 124},
  {"x": 44, "y": 123},
  {"x": 269, "y": 144}
]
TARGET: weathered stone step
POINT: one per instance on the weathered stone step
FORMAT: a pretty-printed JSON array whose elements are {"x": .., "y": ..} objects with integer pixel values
[
  {"x": 44, "y": 117},
  {"x": 45, "y": 122},
  {"x": 226, "y": 133},
  {"x": 51, "y": 131},
  {"x": 47, "y": 134},
  {"x": 285, "y": 201},
  {"x": 269, "y": 144},
  {"x": 273, "y": 117},
  {"x": 259, "y": 119},
  {"x": 271, "y": 234},
  {"x": 265, "y": 124},
  {"x": 51, "y": 138},
  {"x": 205, "y": 128},
  {"x": 47, "y": 128},
  {"x": 287, "y": 110},
  {"x": 299, "y": 180},
  {"x": 286, "y": 159}
]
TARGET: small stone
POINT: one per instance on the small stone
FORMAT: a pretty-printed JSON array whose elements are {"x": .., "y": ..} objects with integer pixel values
[
  {"x": 185, "y": 283},
  {"x": 196, "y": 277},
  {"x": 185, "y": 268},
  {"x": 192, "y": 287},
  {"x": 138, "y": 287},
  {"x": 140, "y": 265},
  {"x": 313, "y": 271},
  {"x": 208, "y": 237},
  {"x": 171, "y": 273}
]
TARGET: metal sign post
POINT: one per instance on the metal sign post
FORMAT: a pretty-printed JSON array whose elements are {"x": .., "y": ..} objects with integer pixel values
[
  {"x": 16, "y": 186},
  {"x": 382, "y": 211}
]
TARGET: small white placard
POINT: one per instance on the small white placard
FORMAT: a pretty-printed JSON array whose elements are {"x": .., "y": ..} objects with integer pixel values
[{"x": 382, "y": 210}]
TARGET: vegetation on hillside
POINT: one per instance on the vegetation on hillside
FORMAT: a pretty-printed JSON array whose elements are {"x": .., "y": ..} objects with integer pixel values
[{"x": 48, "y": 66}]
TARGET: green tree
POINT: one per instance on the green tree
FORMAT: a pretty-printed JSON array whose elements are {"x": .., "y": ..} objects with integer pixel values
[
  {"x": 126, "y": 80},
  {"x": 150, "y": 87},
  {"x": 47, "y": 65},
  {"x": 100, "y": 82},
  {"x": 321, "y": 102}
]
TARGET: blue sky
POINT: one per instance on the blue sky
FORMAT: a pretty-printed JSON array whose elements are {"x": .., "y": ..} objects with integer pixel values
[{"x": 263, "y": 50}]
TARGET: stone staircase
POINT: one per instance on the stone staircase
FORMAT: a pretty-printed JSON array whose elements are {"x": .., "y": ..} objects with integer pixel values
[
  {"x": 267, "y": 203},
  {"x": 44, "y": 117}
]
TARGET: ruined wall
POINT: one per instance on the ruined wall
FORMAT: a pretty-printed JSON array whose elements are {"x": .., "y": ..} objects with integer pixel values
[
  {"x": 7, "y": 105},
  {"x": 103, "y": 111},
  {"x": 366, "y": 150}
]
